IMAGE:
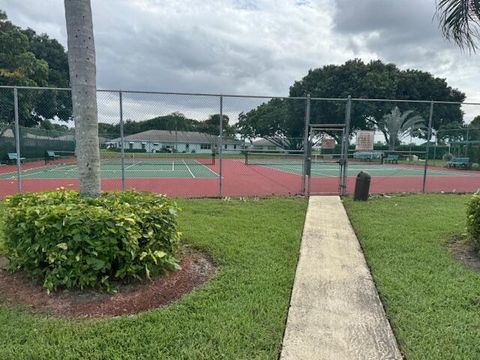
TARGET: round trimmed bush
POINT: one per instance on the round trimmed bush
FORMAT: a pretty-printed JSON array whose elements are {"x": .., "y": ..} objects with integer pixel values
[
  {"x": 73, "y": 242},
  {"x": 473, "y": 220}
]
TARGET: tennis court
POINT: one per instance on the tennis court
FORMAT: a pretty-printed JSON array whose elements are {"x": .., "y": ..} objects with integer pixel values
[
  {"x": 197, "y": 175},
  {"x": 393, "y": 170},
  {"x": 135, "y": 168},
  {"x": 327, "y": 167}
]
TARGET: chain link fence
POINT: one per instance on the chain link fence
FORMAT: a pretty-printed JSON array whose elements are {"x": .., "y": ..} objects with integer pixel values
[{"x": 209, "y": 145}]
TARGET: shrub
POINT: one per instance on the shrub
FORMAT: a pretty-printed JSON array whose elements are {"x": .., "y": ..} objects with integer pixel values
[
  {"x": 73, "y": 242},
  {"x": 473, "y": 220}
]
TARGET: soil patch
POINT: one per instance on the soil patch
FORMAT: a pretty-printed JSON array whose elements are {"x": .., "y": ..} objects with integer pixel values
[
  {"x": 196, "y": 268},
  {"x": 463, "y": 251}
]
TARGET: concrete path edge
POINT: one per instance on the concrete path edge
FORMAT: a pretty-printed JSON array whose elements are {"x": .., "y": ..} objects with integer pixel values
[{"x": 335, "y": 311}]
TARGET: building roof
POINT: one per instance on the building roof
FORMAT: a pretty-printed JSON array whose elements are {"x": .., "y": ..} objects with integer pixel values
[{"x": 163, "y": 136}]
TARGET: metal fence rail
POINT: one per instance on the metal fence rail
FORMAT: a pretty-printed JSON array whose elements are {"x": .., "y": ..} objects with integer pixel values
[{"x": 191, "y": 148}]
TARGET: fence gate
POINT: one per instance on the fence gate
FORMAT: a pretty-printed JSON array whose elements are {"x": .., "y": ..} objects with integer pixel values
[{"x": 326, "y": 159}]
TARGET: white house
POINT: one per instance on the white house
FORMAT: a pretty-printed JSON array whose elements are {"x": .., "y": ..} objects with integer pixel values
[{"x": 179, "y": 141}]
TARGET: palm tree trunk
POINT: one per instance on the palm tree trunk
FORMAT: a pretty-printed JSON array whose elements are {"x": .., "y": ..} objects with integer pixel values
[{"x": 81, "y": 61}]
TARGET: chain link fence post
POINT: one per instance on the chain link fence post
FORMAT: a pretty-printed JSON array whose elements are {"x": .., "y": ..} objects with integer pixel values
[
  {"x": 346, "y": 143},
  {"x": 306, "y": 148},
  {"x": 429, "y": 136},
  {"x": 17, "y": 139},
  {"x": 122, "y": 140},
  {"x": 220, "y": 152}
]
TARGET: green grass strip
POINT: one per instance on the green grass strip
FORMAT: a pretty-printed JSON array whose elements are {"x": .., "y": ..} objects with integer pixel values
[
  {"x": 239, "y": 314},
  {"x": 432, "y": 300}
]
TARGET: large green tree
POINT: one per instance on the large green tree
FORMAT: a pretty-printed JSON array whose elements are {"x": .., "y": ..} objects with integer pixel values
[
  {"x": 28, "y": 59},
  {"x": 460, "y": 21},
  {"x": 175, "y": 121},
  {"x": 373, "y": 80},
  {"x": 212, "y": 126},
  {"x": 276, "y": 121},
  {"x": 475, "y": 122}
]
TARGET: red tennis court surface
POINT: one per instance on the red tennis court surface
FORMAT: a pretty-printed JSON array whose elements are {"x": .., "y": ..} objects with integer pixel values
[{"x": 255, "y": 180}]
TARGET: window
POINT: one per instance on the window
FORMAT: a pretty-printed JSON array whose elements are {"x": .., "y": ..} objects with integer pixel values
[
  {"x": 235, "y": 147},
  {"x": 226, "y": 146},
  {"x": 144, "y": 146},
  {"x": 205, "y": 146},
  {"x": 130, "y": 145},
  {"x": 187, "y": 146}
]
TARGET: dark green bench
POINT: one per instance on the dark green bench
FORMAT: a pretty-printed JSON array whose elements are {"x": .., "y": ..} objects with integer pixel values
[
  {"x": 12, "y": 158},
  {"x": 50, "y": 156},
  {"x": 391, "y": 159},
  {"x": 367, "y": 155},
  {"x": 459, "y": 162}
]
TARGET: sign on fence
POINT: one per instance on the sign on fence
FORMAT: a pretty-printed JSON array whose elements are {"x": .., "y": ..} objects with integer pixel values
[
  {"x": 365, "y": 140},
  {"x": 328, "y": 143}
]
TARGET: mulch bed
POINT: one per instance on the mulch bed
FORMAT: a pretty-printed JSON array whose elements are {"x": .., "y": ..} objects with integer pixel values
[
  {"x": 196, "y": 268},
  {"x": 464, "y": 252}
]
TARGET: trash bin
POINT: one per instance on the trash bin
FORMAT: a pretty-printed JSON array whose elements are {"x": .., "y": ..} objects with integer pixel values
[{"x": 362, "y": 186}]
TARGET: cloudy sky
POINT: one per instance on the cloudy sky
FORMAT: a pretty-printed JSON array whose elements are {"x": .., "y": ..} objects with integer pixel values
[{"x": 252, "y": 47}]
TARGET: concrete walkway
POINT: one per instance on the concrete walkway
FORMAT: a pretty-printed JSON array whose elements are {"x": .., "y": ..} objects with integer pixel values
[{"x": 335, "y": 311}]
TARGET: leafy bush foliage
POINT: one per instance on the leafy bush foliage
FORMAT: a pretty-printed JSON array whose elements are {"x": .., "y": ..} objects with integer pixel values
[
  {"x": 473, "y": 220},
  {"x": 73, "y": 242}
]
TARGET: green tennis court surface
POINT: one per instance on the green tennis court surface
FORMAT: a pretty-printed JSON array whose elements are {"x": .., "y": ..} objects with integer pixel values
[
  {"x": 332, "y": 170},
  {"x": 140, "y": 169}
]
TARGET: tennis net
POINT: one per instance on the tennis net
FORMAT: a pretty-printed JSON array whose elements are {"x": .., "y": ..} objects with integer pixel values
[{"x": 297, "y": 158}]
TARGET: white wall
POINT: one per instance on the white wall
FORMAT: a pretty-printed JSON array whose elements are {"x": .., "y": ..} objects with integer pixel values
[{"x": 181, "y": 147}]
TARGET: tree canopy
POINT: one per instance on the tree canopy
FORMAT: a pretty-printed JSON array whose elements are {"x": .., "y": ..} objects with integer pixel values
[
  {"x": 174, "y": 121},
  {"x": 373, "y": 80},
  {"x": 29, "y": 59}
]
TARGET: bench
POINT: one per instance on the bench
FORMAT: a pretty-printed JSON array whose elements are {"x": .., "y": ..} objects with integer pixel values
[
  {"x": 459, "y": 162},
  {"x": 50, "y": 155},
  {"x": 391, "y": 159},
  {"x": 367, "y": 155},
  {"x": 12, "y": 158}
]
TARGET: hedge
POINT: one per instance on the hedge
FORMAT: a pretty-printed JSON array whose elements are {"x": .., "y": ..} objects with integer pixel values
[
  {"x": 473, "y": 220},
  {"x": 68, "y": 241}
]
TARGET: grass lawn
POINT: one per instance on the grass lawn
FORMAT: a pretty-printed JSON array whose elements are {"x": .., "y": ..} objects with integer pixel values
[
  {"x": 432, "y": 301},
  {"x": 239, "y": 314}
]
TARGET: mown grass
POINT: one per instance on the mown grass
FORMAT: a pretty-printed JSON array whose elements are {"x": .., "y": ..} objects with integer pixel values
[
  {"x": 432, "y": 300},
  {"x": 239, "y": 314}
]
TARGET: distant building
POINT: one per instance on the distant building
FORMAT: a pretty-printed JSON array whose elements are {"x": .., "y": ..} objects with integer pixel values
[{"x": 179, "y": 141}]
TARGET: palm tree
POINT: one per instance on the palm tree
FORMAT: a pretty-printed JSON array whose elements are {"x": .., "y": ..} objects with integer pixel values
[
  {"x": 81, "y": 61},
  {"x": 460, "y": 21},
  {"x": 395, "y": 126}
]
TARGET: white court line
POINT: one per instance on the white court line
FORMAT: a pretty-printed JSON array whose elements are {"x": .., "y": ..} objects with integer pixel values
[
  {"x": 173, "y": 165},
  {"x": 129, "y": 166},
  {"x": 188, "y": 168},
  {"x": 213, "y": 172},
  {"x": 137, "y": 170}
]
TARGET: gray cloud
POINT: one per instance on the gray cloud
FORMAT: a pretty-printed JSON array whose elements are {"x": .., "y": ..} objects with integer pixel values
[{"x": 251, "y": 47}]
